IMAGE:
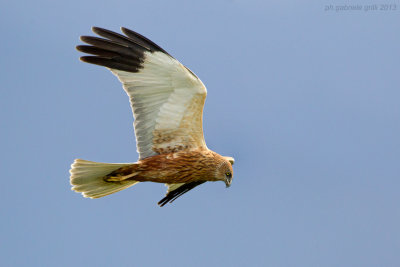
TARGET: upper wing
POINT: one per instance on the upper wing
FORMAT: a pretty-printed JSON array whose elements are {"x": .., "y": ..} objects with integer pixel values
[{"x": 167, "y": 99}]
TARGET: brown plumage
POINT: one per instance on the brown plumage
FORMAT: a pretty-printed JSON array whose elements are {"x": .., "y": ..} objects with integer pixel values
[
  {"x": 179, "y": 167},
  {"x": 167, "y": 101}
]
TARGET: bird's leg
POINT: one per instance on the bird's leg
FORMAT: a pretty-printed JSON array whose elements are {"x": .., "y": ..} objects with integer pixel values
[
  {"x": 114, "y": 178},
  {"x": 121, "y": 174}
]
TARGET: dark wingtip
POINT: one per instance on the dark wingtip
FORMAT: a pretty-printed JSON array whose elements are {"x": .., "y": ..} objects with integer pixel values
[
  {"x": 80, "y": 48},
  {"x": 96, "y": 29},
  {"x": 173, "y": 195},
  {"x": 116, "y": 51},
  {"x": 100, "y": 31},
  {"x": 162, "y": 202},
  {"x": 86, "y": 59},
  {"x": 85, "y": 38}
]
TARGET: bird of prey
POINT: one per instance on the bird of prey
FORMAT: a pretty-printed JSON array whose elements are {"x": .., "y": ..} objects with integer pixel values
[{"x": 167, "y": 101}]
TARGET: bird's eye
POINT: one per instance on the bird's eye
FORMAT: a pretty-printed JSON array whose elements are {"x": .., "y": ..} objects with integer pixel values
[{"x": 228, "y": 174}]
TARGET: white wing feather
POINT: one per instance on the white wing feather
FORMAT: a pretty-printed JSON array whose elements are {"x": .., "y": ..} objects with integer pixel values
[
  {"x": 167, "y": 102},
  {"x": 172, "y": 187}
]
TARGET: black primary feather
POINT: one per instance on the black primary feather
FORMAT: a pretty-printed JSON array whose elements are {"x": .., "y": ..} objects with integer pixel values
[
  {"x": 117, "y": 51},
  {"x": 171, "y": 196}
]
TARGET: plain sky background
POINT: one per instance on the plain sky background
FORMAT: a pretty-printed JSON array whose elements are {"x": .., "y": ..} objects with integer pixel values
[{"x": 306, "y": 100}]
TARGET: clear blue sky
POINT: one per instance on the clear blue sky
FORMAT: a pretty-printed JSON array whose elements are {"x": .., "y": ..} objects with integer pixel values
[{"x": 306, "y": 100}]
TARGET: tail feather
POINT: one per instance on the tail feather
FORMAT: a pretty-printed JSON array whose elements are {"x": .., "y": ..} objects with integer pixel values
[{"x": 87, "y": 178}]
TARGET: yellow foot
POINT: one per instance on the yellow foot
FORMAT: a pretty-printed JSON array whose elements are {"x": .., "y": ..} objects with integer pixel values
[{"x": 114, "y": 178}]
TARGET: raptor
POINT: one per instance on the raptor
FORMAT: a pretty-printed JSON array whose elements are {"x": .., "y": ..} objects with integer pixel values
[{"x": 167, "y": 101}]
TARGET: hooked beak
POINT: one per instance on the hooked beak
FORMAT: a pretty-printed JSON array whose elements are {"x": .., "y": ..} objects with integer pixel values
[{"x": 228, "y": 181}]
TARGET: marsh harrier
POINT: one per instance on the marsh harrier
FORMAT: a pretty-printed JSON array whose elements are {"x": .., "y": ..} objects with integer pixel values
[{"x": 167, "y": 101}]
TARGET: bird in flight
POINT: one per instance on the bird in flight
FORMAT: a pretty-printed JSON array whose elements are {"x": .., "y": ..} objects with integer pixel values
[{"x": 167, "y": 101}]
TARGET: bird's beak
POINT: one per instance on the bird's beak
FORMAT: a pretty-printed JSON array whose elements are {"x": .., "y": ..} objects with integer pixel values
[{"x": 228, "y": 182}]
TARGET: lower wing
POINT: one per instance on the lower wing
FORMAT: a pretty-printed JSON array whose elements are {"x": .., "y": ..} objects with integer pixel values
[{"x": 174, "y": 194}]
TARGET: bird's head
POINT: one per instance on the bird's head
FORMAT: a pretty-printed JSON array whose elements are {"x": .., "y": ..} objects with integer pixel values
[{"x": 225, "y": 171}]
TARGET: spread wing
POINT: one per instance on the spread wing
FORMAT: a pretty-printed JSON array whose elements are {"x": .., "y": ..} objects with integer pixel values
[{"x": 167, "y": 99}]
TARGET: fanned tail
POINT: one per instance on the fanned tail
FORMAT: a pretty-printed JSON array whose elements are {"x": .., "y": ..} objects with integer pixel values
[{"x": 87, "y": 177}]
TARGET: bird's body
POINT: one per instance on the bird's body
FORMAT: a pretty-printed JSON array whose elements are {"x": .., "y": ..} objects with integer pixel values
[
  {"x": 167, "y": 102},
  {"x": 175, "y": 167}
]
